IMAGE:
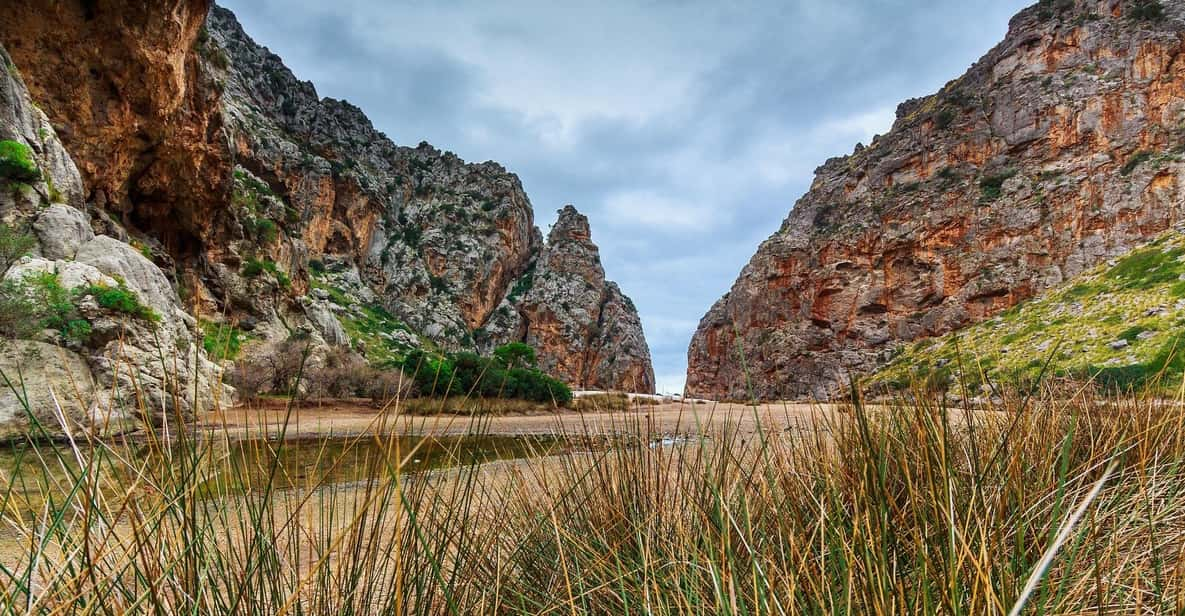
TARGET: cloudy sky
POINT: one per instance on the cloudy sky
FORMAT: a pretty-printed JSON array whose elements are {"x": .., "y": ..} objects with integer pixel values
[{"x": 685, "y": 130}]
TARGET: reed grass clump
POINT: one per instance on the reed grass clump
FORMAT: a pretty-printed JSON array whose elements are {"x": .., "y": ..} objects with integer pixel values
[{"x": 1055, "y": 501}]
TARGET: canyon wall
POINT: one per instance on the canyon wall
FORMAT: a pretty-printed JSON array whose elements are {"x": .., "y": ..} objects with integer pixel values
[{"x": 1059, "y": 149}]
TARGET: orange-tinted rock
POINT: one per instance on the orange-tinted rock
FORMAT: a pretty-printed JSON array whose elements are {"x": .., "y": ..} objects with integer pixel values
[
  {"x": 1058, "y": 149},
  {"x": 122, "y": 83}
]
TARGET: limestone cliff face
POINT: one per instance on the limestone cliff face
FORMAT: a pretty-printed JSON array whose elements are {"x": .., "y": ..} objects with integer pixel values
[
  {"x": 441, "y": 243},
  {"x": 586, "y": 331},
  {"x": 243, "y": 184},
  {"x": 122, "y": 83},
  {"x": 1059, "y": 149},
  {"x": 101, "y": 364}
]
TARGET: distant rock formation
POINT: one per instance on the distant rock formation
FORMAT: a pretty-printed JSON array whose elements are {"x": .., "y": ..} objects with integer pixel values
[
  {"x": 588, "y": 333},
  {"x": 1060, "y": 148}
]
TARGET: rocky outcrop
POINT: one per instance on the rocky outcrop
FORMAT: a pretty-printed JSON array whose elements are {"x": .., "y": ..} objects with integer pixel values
[
  {"x": 1059, "y": 149},
  {"x": 124, "y": 85},
  {"x": 117, "y": 341},
  {"x": 251, "y": 194},
  {"x": 585, "y": 330},
  {"x": 440, "y": 244}
]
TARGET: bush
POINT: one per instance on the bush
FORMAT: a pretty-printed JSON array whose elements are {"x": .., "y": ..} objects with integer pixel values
[
  {"x": 1134, "y": 161},
  {"x": 13, "y": 245},
  {"x": 515, "y": 355},
  {"x": 1146, "y": 10},
  {"x": 222, "y": 340},
  {"x": 265, "y": 230},
  {"x": 944, "y": 118},
  {"x": 992, "y": 186},
  {"x": 16, "y": 162},
  {"x": 269, "y": 373},
  {"x": 1049, "y": 9},
  {"x": 121, "y": 299},
  {"x": 20, "y": 315},
  {"x": 254, "y": 267},
  {"x": 346, "y": 375},
  {"x": 468, "y": 374}
]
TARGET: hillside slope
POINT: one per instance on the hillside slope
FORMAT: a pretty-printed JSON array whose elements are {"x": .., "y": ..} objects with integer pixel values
[
  {"x": 1121, "y": 323},
  {"x": 1057, "y": 150}
]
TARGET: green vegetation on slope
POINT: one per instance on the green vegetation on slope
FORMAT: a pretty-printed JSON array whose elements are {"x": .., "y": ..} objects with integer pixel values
[
  {"x": 222, "y": 340},
  {"x": 16, "y": 162},
  {"x": 371, "y": 329},
  {"x": 1120, "y": 324}
]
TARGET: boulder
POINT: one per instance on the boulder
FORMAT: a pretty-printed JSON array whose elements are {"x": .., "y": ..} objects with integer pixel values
[
  {"x": 61, "y": 230},
  {"x": 49, "y": 378}
]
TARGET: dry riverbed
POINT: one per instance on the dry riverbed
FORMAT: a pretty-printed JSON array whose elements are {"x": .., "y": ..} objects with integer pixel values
[{"x": 349, "y": 418}]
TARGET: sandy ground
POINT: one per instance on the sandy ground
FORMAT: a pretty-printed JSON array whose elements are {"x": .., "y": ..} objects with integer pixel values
[{"x": 345, "y": 418}]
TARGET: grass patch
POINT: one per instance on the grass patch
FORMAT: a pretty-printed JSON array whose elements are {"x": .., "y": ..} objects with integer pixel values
[
  {"x": 16, "y": 162},
  {"x": 1073, "y": 327}
]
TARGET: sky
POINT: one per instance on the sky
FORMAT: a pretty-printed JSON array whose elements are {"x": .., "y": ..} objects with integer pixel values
[{"x": 685, "y": 130}]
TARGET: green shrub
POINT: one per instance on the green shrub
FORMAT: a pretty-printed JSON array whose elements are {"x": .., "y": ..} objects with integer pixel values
[
  {"x": 1134, "y": 161},
  {"x": 992, "y": 186},
  {"x": 13, "y": 245},
  {"x": 56, "y": 302},
  {"x": 221, "y": 340},
  {"x": 16, "y": 162},
  {"x": 20, "y": 314},
  {"x": 438, "y": 283},
  {"x": 944, "y": 118},
  {"x": 53, "y": 306},
  {"x": 1048, "y": 9},
  {"x": 121, "y": 299},
  {"x": 523, "y": 284},
  {"x": 265, "y": 230},
  {"x": 468, "y": 374},
  {"x": 515, "y": 355},
  {"x": 254, "y": 267},
  {"x": 1146, "y": 10}
]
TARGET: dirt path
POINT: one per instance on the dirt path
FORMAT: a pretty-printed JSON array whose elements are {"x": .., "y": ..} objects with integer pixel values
[{"x": 345, "y": 418}]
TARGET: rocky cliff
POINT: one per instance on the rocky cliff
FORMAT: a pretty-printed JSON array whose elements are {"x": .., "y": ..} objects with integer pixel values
[
  {"x": 270, "y": 208},
  {"x": 91, "y": 331},
  {"x": 587, "y": 331},
  {"x": 1060, "y": 148}
]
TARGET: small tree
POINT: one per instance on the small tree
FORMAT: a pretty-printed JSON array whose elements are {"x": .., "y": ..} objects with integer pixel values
[
  {"x": 515, "y": 355},
  {"x": 13, "y": 245},
  {"x": 20, "y": 316}
]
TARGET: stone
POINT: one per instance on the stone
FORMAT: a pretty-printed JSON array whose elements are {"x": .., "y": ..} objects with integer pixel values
[
  {"x": 331, "y": 329},
  {"x": 586, "y": 332},
  {"x": 940, "y": 224},
  {"x": 61, "y": 230},
  {"x": 45, "y": 373},
  {"x": 1115, "y": 345}
]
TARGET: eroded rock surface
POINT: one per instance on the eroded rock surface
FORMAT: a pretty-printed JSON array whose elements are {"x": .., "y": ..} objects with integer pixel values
[
  {"x": 114, "y": 363},
  {"x": 585, "y": 330},
  {"x": 1060, "y": 148},
  {"x": 202, "y": 154}
]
